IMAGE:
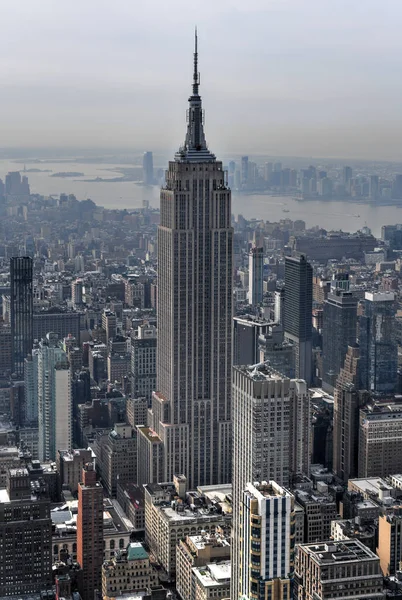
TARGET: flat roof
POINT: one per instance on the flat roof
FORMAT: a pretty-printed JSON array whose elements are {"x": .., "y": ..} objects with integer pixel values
[
  {"x": 201, "y": 541},
  {"x": 150, "y": 434},
  {"x": 4, "y": 497},
  {"x": 338, "y": 552},
  {"x": 261, "y": 372},
  {"x": 214, "y": 574},
  {"x": 369, "y": 484}
]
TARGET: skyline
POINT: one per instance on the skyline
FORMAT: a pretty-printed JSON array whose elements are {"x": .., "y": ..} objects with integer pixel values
[{"x": 102, "y": 78}]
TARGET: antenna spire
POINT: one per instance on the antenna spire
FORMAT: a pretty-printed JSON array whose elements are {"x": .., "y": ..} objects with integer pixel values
[{"x": 196, "y": 77}]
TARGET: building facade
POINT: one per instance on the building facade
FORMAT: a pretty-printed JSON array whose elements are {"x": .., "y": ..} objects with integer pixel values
[
  {"x": 25, "y": 537},
  {"x": 378, "y": 345},
  {"x": 267, "y": 539},
  {"x": 90, "y": 532},
  {"x": 390, "y": 542},
  {"x": 195, "y": 555},
  {"x": 168, "y": 519},
  {"x": 321, "y": 570},
  {"x": 246, "y": 333},
  {"x": 271, "y": 436},
  {"x": 116, "y": 456},
  {"x": 298, "y": 313},
  {"x": 54, "y": 397},
  {"x": 148, "y": 168},
  {"x": 256, "y": 275},
  {"x": 380, "y": 440},
  {"x": 339, "y": 330},
  {"x": 128, "y": 571},
  {"x": 21, "y": 273},
  {"x": 347, "y": 401},
  {"x": 143, "y": 362},
  {"x": 192, "y": 407}
]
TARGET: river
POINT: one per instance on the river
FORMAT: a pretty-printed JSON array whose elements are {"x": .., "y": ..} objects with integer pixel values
[{"x": 346, "y": 215}]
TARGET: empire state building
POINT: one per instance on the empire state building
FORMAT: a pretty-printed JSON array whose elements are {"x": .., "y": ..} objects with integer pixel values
[{"x": 191, "y": 411}]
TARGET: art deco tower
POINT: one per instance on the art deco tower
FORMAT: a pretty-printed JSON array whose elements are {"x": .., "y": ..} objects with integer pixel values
[{"x": 192, "y": 407}]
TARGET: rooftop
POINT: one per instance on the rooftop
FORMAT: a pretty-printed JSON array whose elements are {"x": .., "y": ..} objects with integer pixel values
[
  {"x": 340, "y": 552},
  {"x": 136, "y": 551},
  {"x": 380, "y": 296},
  {"x": 261, "y": 372},
  {"x": 149, "y": 434},
  {"x": 267, "y": 489},
  {"x": 202, "y": 541},
  {"x": 64, "y": 517},
  {"x": 370, "y": 486},
  {"x": 182, "y": 512},
  {"x": 7, "y": 451},
  {"x": 214, "y": 574}
]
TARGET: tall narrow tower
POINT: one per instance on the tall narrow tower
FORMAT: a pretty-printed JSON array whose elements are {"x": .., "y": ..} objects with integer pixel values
[
  {"x": 298, "y": 312},
  {"x": 192, "y": 407},
  {"x": 21, "y": 274},
  {"x": 90, "y": 532},
  {"x": 256, "y": 274}
]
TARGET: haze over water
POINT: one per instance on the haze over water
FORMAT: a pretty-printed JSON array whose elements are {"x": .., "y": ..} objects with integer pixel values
[{"x": 334, "y": 215}]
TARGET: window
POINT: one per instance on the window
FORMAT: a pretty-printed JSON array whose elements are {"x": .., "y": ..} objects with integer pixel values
[{"x": 112, "y": 544}]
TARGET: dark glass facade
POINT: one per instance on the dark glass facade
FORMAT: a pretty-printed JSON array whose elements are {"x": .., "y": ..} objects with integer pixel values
[
  {"x": 298, "y": 297},
  {"x": 378, "y": 345},
  {"x": 339, "y": 331},
  {"x": 21, "y": 270},
  {"x": 298, "y": 306}
]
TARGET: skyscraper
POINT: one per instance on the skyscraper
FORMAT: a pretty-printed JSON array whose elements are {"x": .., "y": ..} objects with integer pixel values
[
  {"x": 192, "y": 408},
  {"x": 256, "y": 273},
  {"x": 347, "y": 401},
  {"x": 148, "y": 168},
  {"x": 21, "y": 272},
  {"x": 90, "y": 532},
  {"x": 267, "y": 542},
  {"x": 339, "y": 329},
  {"x": 25, "y": 536},
  {"x": 244, "y": 171},
  {"x": 374, "y": 187},
  {"x": 271, "y": 438},
  {"x": 143, "y": 362},
  {"x": 347, "y": 176},
  {"x": 48, "y": 381},
  {"x": 378, "y": 345},
  {"x": 298, "y": 312}
]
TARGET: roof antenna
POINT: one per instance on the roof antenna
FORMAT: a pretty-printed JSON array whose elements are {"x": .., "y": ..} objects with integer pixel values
[{"x": 196, "y": 77}]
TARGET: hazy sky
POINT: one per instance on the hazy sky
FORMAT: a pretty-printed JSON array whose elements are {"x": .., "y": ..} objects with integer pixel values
[{"x": 285, "y": 77}]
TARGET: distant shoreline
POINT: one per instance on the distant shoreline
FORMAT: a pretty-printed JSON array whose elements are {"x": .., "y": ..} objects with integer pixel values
[{"x": 68, "y": 174}]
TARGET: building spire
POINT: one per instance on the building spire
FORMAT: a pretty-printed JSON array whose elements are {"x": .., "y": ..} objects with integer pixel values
[
  {"x": 196, "y": 77},
  {"x": 195, "y": 146}
]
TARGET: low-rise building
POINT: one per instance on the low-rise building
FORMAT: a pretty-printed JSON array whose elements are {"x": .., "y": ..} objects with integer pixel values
[
  {"x": 117, "y": 529},
  {"x": 151, "y": 451},
  {"x": 70, "y": 465},
  {"x": 118, "y": 367},
  {"x": 137, "y": 411},
  {"x": 319, "y": 511},
  {"x": 343, "y": 569},
  {"x": 197, "y": 553},
  {"x": 380, "y": 440},
  {"x": 390, "y": 542},
  {"x": 212, "y": 581},
  {"x": 131, "y": 498},
  {"x": 129, "y": 570},
  {"x": 347, "y": 529},
  {"x": 116, "y": 456},
  {"x": 169, "y": 518},
  {"x": 9, "y": 459}
]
